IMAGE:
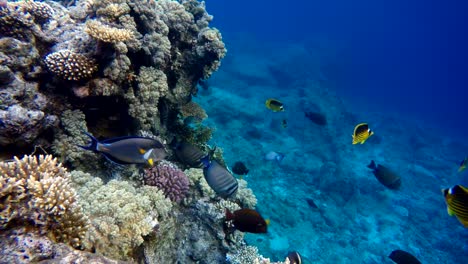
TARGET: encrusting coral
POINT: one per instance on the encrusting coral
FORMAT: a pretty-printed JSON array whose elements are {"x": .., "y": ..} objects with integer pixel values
[{"x": 36, "y": 193}]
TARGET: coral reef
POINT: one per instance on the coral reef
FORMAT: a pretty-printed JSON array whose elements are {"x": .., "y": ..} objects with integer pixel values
[
  {"x": 70, "y": 65},
  {"x": 36, "y": 193},
  {"x": 106, "y": 33},
  {"x": 168, "y": 178},
  {"x": 120, "y": 214}
]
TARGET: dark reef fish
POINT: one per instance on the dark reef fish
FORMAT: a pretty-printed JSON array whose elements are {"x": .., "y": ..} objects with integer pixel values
[
  {"x": 316, "y": 117},
  {"x": 128, "y": 150},
  {"x": 189, "y": 154},
  {"x": 274, "y": 105},
  {"x": 219, "y": 178},
  {"x": 403, "y": 257},
  {"x": 385, "y": 176},
  {"x": 311, "y": 203},
  {"x": 361, "y": 133},
  {"x": 456, "y": 199},
  {"x": 294, "y": 257},
  {"x": 239, "y": 168},
  {"x": 246, "y": 220}
]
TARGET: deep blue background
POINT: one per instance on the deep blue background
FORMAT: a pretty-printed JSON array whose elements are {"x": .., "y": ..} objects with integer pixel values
[{"x": 408, "y": 57}]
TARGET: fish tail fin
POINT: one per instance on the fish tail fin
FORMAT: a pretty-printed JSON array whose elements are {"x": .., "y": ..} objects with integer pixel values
[
  {"x": 92, "y": 145},
  {"x": 229, "y": 215},
  {"x": 206, "y": 161},
  {"x": 372, "y": 165}
]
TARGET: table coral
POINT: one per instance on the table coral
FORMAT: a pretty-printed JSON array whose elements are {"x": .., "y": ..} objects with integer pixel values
[{"x": 37, "y": 194}]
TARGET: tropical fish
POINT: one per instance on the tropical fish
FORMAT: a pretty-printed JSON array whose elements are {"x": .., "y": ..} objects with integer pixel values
[
  {"x": 316, "y": 117},
  {"x": 219, "y": 178},
  {"x": 284, "y": 123},
  {"x": 403, "y": 257},
  {"x": 128, "y": 150},
  {"x": 456, "y": 199},
  {"x": 385, "y": 176},
  {"x": 274, "y": 156},
  {"x": 361, "y": 133},
  {"x": 239, "y": 168},
  {"x": 463, "y": 164},
  {"x": 274, "y": 105},
  {"x": 189, "y": 154},
  {"x": 246, "y": 220},
  {"x": 311, "y": 203},
  {"x": 294, "y": 257}
]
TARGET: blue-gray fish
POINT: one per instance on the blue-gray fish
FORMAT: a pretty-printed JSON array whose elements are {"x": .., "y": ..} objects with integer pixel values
[
  {"x": 189, "y": 154},
  {"x": 219, "y": 178},
  {"x": 274, "y": 156},
  {"x": 128, "y": 150}
]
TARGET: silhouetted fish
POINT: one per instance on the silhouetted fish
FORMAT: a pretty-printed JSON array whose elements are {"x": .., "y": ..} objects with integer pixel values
[
  {"x": 239, "y": 168},
  {"x": 294, "y": 257},
  {"x": 189, "y": 154},
  {"x": 403, "y": 257},
  {"x": 385, "y": 176},
  {"x": 311, "y": 203},
  {"x": 317, "y": 118},
  {"x": 247, "y": 220}
]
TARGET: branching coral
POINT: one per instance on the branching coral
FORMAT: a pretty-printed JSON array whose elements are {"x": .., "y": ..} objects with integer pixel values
[
  {"x": 168, "y": 178},
  {"x": 106, "y": 33},
  {"x": 70, "y": 66},
  {"x": 36, "y": 193},
  {"x": 121, "y": 215}
]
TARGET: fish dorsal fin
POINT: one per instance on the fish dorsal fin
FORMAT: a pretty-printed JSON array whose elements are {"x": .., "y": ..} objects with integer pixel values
[
  {"x": 360, "y": 128},
  {"x": 112, "y": 140}
]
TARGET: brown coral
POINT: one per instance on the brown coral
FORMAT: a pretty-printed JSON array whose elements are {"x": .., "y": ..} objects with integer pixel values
[
  {"x": 106, "y": 33},
  {"x": 35, "y": 192},
  {"x": 70, "y": 66}
]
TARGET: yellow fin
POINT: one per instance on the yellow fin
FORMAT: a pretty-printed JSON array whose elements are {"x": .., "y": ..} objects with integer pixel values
[
  {"x": 450, "y": 212},
  {"x": 267, "y": 221},
  {"x": 142, "y": 151},
  {"x": 150, "y": 162}
]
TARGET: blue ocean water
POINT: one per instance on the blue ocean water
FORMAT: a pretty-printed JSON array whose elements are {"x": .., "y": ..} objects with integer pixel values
[{"x": 399, "y": 66}]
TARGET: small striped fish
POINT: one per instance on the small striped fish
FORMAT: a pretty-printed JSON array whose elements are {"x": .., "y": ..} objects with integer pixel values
[
  {"x": 361, "y": 133},
  {"x": 457, "y": 203}
]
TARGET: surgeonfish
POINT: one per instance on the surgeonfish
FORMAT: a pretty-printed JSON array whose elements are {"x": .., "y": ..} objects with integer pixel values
[
  {"x": 385, "y": 176},
  {"x": 463, "y": 164},
  {"x": 402, "y": 257},
  {"x": 361, "y": 133},
  {"x": 456, "y": 199},
  {"x": 219, "y": 178},
  {"x": 128, "y": 150},
  {"x": 274, "y": 105},
  {"x": 246, "y": 220},
  {"x": 189, "y": 154},
  {"x": 274, "y": 156},
  {"x": 294, "y": 257}
]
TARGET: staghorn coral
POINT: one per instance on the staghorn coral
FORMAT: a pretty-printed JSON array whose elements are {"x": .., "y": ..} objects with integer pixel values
[
  {"x": 120, "y": 214},
  {"x": 168, "y": 178},
  {"x": 70, "y": 66},
  {"x": 36, "y": 193},
  {"x": 107, "y": 33}
]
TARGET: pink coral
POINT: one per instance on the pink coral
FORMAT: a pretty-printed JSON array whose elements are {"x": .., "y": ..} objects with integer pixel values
[{"x": 168, "y": 178}]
